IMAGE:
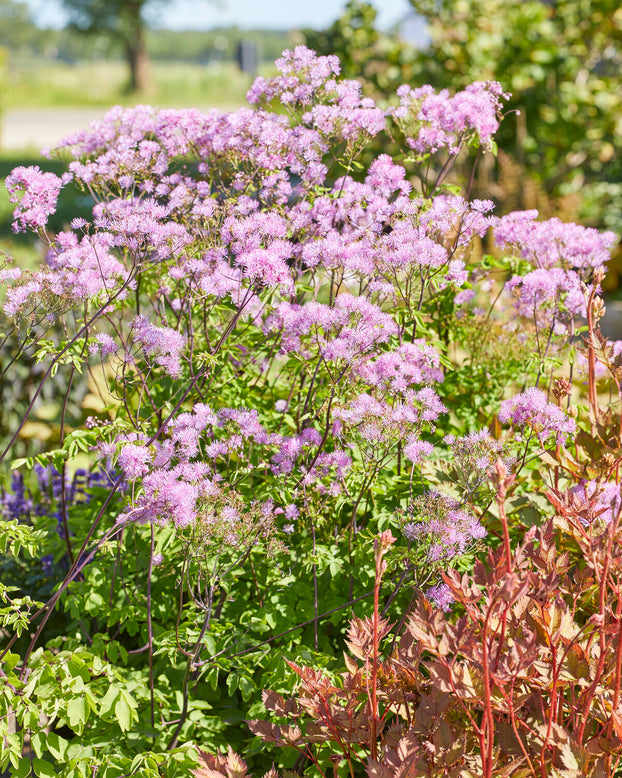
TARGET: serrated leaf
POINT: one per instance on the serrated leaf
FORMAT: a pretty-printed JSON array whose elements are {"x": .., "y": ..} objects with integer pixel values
[{"x": 269, "y": 733}]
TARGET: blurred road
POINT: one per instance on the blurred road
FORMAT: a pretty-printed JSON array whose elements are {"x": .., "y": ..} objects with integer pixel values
[{"x": 30, "y": 129}]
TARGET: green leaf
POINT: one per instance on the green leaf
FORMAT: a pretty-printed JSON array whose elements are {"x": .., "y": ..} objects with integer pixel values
[
  {"x": 232, "y": 682},
  {"x": 107, "y": 702},
  {"x": 212, "y": 678},
  {"x": 23, "y": 769},
  {"x": 78, "y": 669},
  {"x": 123, "y": 712},
  {"x": 43, "y": 769},
  {"x": 247, "y": 687},
  {"x": 77, "y": 713},
  {"x": 10, "y": 661},
  {"x": 57, "y": 746},
  {"x": 39, "y": 743}
]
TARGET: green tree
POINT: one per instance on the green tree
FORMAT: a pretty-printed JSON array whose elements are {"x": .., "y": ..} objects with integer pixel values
[
  {"x": 16, "y": 27},
  {"x": 124, "y": 22},
  {"x": 379, "y": 61},
  {"x": 561, "y": 60}
]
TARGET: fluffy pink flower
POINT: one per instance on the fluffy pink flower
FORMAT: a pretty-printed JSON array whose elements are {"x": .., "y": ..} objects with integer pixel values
[
  {"x": 444, "y": 121},
  {"x": 162, "y": 344},
  {"x": 134, "y": 460},
  {"x": 553, "y": 243},
  {"x": 37, "y": 195},
  {"x": 531, "y": 409}
]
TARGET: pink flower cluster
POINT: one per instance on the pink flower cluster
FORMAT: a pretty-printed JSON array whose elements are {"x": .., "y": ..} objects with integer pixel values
[
  {"x": 531, "y": 409},
  {"x": 332, "y": 108},
  {"x": 303, "y": 73},
  {"x": 407, "y": 365},
  {"x": 170, "y": 495},
  {"x": 441, "y": 596},
  {"x": 347, "y": 330},
  {"x": 553, "y": 243},
  {"x": 549, "y": 295},
  {"x": 142, "y": 226},
  {"x": 604, "y": 500},
  {"x": 37, "y": 195},
  {"x": 444, "y": 121},
  {"x": 378, "y": 424},
  {"x": 78, "y": 271},
  {"x": 443, "y": 524},
  {"x": 180, "y": 472},
  {"x": 254, "y": 268},
  {"x": 161, "y": 344}
]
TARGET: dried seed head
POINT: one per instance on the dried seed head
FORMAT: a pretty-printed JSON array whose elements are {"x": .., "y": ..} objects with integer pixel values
[{"x": 561, "y": 388}]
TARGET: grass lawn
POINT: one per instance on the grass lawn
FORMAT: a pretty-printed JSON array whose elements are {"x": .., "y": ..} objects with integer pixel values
[{"x": 51, "y": 83}]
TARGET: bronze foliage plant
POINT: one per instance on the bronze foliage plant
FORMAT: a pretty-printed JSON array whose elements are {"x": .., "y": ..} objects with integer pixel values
[
  {"x": 522, "y": 678},
  {"x": 525, "y": 682}
]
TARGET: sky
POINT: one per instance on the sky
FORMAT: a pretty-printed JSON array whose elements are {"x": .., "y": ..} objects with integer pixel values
[{"x": 268, "y": 14}]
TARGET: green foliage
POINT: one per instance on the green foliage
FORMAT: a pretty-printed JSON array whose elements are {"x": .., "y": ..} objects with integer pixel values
[
  {"x": 379, "y": 60},
  {"x": 167, "y": 612},
  {"x": 510, "y": 687},
  {"x": 561, "y": 63}
]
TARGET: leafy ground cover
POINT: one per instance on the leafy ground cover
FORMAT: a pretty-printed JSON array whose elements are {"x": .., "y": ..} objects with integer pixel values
[{"x": 330, "y": 484}]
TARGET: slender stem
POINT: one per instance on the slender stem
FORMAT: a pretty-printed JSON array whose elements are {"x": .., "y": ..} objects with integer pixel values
[
  {"x": 591, "y": 359},
  {"x": 488, "y": 728},
  {"x": 373, "y": 719},
  {"x": 82, "y": 332},
  {"x": 150, "y": 630},
  {"x": 63, "y": 485}
]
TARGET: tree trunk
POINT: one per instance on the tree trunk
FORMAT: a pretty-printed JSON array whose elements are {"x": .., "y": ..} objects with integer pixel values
[
  {"x": 136, "y": 51},
  {"x": 138, "y": 61}
]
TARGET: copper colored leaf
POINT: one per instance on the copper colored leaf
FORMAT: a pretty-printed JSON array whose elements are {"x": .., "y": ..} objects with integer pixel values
[
  {"x": 360, "y": 639},
  {"x": 278, "y": 705},
  {"x": 515, "y": 769},
  {"x": 205, "y": 770},
  {"x": 520, "y": 606},
  {"x": 577, "y": 664},
  {"x": 512, "y": 588},
  {"x": 312, "y": 681},
  {"x": 375, "y": 769},
  {"x": 220, "y": 765},
  {"x": 269, "y": 733},
  {"x": 235, "y": 765},
  {"x": 617, "y": 724},
  {"x": 421, "y": 632},
  {"x": 430, "y": 708},
  {"x": 408, "y": 746},
  {"x": 505, "y": 737},
  {"x": 350, "y": 664},
  {"x": 440, "y": 676},
  {"x": 291, "y": 735}
]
